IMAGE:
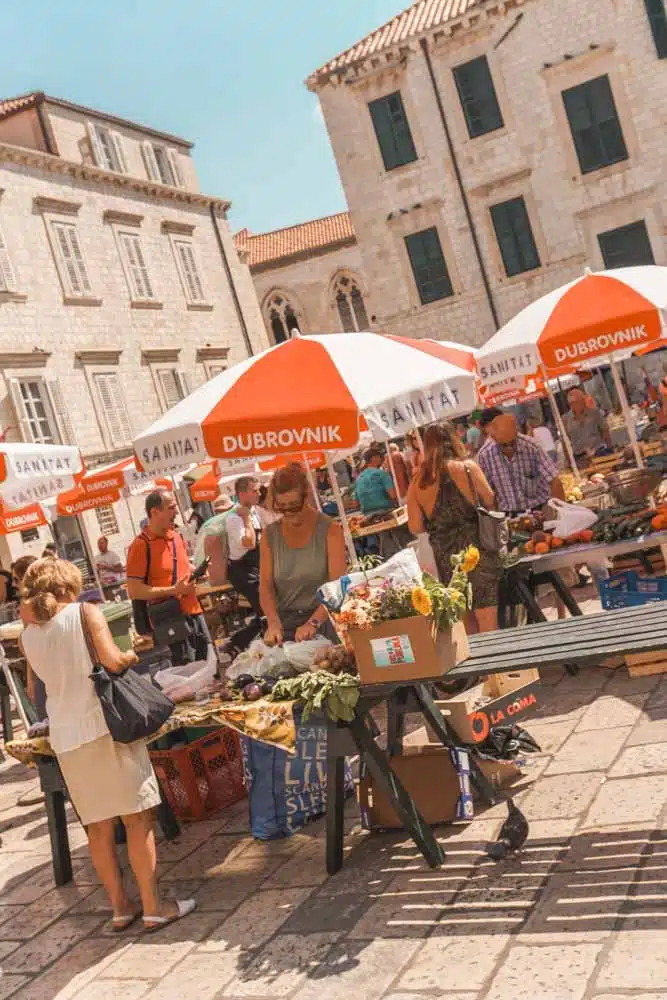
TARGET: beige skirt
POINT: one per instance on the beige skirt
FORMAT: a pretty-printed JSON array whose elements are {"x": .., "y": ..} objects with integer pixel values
[{"x": 106, "y": 779}]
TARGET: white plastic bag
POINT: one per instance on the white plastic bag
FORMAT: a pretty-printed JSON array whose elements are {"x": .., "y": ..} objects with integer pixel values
[
  {"x": 570, "y": 518},
  {"x": 425, "y": 556},
  {"x": 189, "y": 679},
  {"x": 302, "y": 654},
  {"x": 402, "y": 569},
  {"x": 256, "y": 660}
]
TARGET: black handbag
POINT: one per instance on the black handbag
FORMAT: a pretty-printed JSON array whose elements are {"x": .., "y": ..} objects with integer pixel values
[
  {"x": 167, "y": 622},
  {"x": 134, "y": 708}
]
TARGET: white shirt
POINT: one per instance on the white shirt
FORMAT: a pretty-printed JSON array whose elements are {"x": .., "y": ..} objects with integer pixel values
[
  {"x": 58, "y": 654},
  {"x": 103, "y": 563},
  {"x": 235, "y": 531},
  {"x": 544, "y": 438}
]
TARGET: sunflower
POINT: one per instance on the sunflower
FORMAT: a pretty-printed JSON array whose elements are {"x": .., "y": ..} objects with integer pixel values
[
  {"x": 470, "y": 559},
  {"x": 421, "y": 601}
]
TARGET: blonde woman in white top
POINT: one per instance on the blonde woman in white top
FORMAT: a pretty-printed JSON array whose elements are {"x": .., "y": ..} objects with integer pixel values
[{"x": 105, "y": 780}]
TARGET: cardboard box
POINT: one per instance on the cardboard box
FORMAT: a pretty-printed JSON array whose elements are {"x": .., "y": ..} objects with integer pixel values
[
  {"x": 498, "y": 685},
  {"x": 472, "y": 717},
  {"x": 407, "y": 649},
  {"x": 428, "y": 775}
]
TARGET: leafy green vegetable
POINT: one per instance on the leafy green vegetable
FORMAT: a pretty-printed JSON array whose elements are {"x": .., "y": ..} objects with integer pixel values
[{"x": 338, "y": 694}]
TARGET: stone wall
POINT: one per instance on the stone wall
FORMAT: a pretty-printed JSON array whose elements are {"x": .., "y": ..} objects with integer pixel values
[{"x": 552, "y": 46}]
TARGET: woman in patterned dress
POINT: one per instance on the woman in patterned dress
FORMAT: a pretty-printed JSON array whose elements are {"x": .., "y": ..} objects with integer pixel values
[{"x": 441, "y": 502}]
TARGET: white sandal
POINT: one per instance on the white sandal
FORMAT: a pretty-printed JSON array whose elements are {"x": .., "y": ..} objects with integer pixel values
[
  {"x": 124, "y": 921},
  {"x": 183, "y": 908}
]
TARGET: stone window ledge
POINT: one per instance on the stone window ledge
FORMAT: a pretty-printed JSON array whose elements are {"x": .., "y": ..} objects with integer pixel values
[
  {"x": 81, "y": 300},
  {"x": 12, "y": 297},
  {"x": 146, "y": 304},
  {"x": 200, "y": 307}
]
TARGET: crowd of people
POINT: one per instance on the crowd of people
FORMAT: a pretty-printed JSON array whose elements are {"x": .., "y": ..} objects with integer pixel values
[{"x": 276, "y": 548}]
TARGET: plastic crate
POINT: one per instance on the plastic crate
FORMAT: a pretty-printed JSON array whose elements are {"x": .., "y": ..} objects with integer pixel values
[
  {"x": 629, "y": 590},
  {"x": 202, "y": 777}
]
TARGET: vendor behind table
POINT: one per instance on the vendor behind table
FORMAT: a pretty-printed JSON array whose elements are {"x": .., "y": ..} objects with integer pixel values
[
  {"x": 585, "y": 426},
  {"x": 298, "y": 554},
  {"x": 520, "y": 473}
]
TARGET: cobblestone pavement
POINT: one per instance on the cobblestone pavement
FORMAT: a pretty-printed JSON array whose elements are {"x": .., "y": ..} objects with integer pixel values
[{"x": 582, "y": 913}]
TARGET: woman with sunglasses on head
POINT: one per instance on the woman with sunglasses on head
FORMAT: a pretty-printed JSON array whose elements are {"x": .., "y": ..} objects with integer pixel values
[{"x": 298, "y": 553}]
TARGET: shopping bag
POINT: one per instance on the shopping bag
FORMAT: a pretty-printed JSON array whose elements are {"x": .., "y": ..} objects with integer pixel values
[{"x": 570, "y": 518}]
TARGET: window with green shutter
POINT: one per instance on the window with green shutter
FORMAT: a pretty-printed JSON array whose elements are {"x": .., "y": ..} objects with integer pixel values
[
  {"x": 515, "y": 236},
  {"x": 478, "y": 97},
  {"x": 392, "y": 130},
  {"x": 626, "y": 246},
  {"x": 657, "y": 19},
  {"x": 429, "y": 266},
  {"x": 596, "y": 129}
]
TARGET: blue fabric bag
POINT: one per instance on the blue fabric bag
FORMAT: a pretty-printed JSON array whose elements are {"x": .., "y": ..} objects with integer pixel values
[{"x": 286, "y": 791}]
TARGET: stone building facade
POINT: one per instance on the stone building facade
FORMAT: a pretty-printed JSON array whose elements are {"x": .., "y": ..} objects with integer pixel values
[
  {"x": 491, "y": 152},
  {"x": 121, "y": 290},
  {"x": 308, "y": 277}
]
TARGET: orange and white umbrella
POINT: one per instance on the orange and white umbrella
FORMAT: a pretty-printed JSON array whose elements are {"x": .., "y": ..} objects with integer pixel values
[
  {"x": 33, "y": 472},
  {"x": 590, "y": 318},
  {"x": 22, "y": 518},
  {"x": 311, "y": 393}
]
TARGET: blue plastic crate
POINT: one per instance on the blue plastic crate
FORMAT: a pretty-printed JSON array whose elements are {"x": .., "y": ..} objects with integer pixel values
[{"x": 629, "y": 590}]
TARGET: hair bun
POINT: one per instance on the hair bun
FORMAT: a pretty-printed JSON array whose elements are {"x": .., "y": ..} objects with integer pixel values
[{"x": 44, "y": 606}]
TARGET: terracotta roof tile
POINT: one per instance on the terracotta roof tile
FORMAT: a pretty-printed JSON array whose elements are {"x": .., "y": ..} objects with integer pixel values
[
  {"x": 13, "y": 104},
  {"x": 265, "y": 248},
  {"x": 421, "y": 17}
]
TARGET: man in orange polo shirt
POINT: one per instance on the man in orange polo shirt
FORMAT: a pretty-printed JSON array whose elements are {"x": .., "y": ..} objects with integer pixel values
[{"x": 158, "y": 567}]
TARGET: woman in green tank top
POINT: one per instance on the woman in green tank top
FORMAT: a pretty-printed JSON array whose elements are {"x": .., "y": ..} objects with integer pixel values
[{"x": 298, "y": 553}]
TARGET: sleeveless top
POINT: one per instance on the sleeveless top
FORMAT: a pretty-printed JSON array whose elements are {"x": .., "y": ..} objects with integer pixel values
[
  {"x": 58, "y": 654},
  {"x": 298, "y": 573}
]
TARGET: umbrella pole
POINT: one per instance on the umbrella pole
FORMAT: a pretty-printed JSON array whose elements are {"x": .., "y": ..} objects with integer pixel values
[
  {"x": 135, "y": 530},
  {"x": 393, "y": 472},
  {"x": 349, "y": 543},
  {"x": 311, "y": 481},
  {"x": 567, "y": 444},
  {"x": 627, "y": 415}
]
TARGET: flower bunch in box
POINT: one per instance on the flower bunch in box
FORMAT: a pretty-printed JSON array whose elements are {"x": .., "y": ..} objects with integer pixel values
[{"x": 381, "y": 601}]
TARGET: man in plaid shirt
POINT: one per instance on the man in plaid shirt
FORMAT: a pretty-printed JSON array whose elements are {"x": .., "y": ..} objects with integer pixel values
[{"x": 522, "y": 476}]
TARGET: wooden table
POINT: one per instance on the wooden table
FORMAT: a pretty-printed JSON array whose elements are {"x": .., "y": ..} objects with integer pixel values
[
  {"x": 584, "y": 640},
  {"x": 393, "y": 535}
]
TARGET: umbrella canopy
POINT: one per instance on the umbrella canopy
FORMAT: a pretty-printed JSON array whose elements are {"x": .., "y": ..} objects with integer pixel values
[
  {"x": 33, "y": 472},
  {"x": 592, "y": 317},
  {"x": 311, "y": 393},
  {"x": 30, "y": 516}
]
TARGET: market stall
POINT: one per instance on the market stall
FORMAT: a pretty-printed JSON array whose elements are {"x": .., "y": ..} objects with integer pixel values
[
  {"x": 594, "y": 319},
  {"x": 588, "y": 641}
]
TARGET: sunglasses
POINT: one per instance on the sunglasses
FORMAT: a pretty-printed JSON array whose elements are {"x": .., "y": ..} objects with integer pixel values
[{"x": 290, "y": 508}]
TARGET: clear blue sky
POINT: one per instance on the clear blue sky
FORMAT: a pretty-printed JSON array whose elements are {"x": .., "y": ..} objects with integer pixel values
[{"x": 226, "y": 74}]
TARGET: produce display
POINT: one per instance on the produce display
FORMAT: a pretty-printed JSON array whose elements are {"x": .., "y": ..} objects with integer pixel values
[
  {"x": 614, "y": 524},
  {"x": 336, "y": 694},
  {"x": 629, "y": 521}
]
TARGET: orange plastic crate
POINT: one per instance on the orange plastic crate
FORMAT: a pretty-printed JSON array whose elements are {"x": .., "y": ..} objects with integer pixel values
[{"x": 202, "y": 777}]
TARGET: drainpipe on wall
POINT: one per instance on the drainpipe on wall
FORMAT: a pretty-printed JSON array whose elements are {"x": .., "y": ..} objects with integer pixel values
[
  {"x": 459, "y": 181},
  {"x": 230, "y": 279}
]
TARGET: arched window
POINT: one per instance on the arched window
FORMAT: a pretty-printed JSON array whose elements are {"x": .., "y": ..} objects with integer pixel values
[
  {"x": 350, "y": 304},
  {"x": 282, "y": 317}
]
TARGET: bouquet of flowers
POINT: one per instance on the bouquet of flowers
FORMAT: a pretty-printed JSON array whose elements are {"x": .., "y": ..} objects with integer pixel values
[{"x": 370, "y": 603}]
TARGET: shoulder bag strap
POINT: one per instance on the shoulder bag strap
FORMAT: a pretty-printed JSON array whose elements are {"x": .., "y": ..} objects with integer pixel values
[
  {"x": 174, "y": 563},
  {"x": 473, "y": 488},
  {"x": 148, "y": 556},
  {"x": 90, "y": 645}
]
